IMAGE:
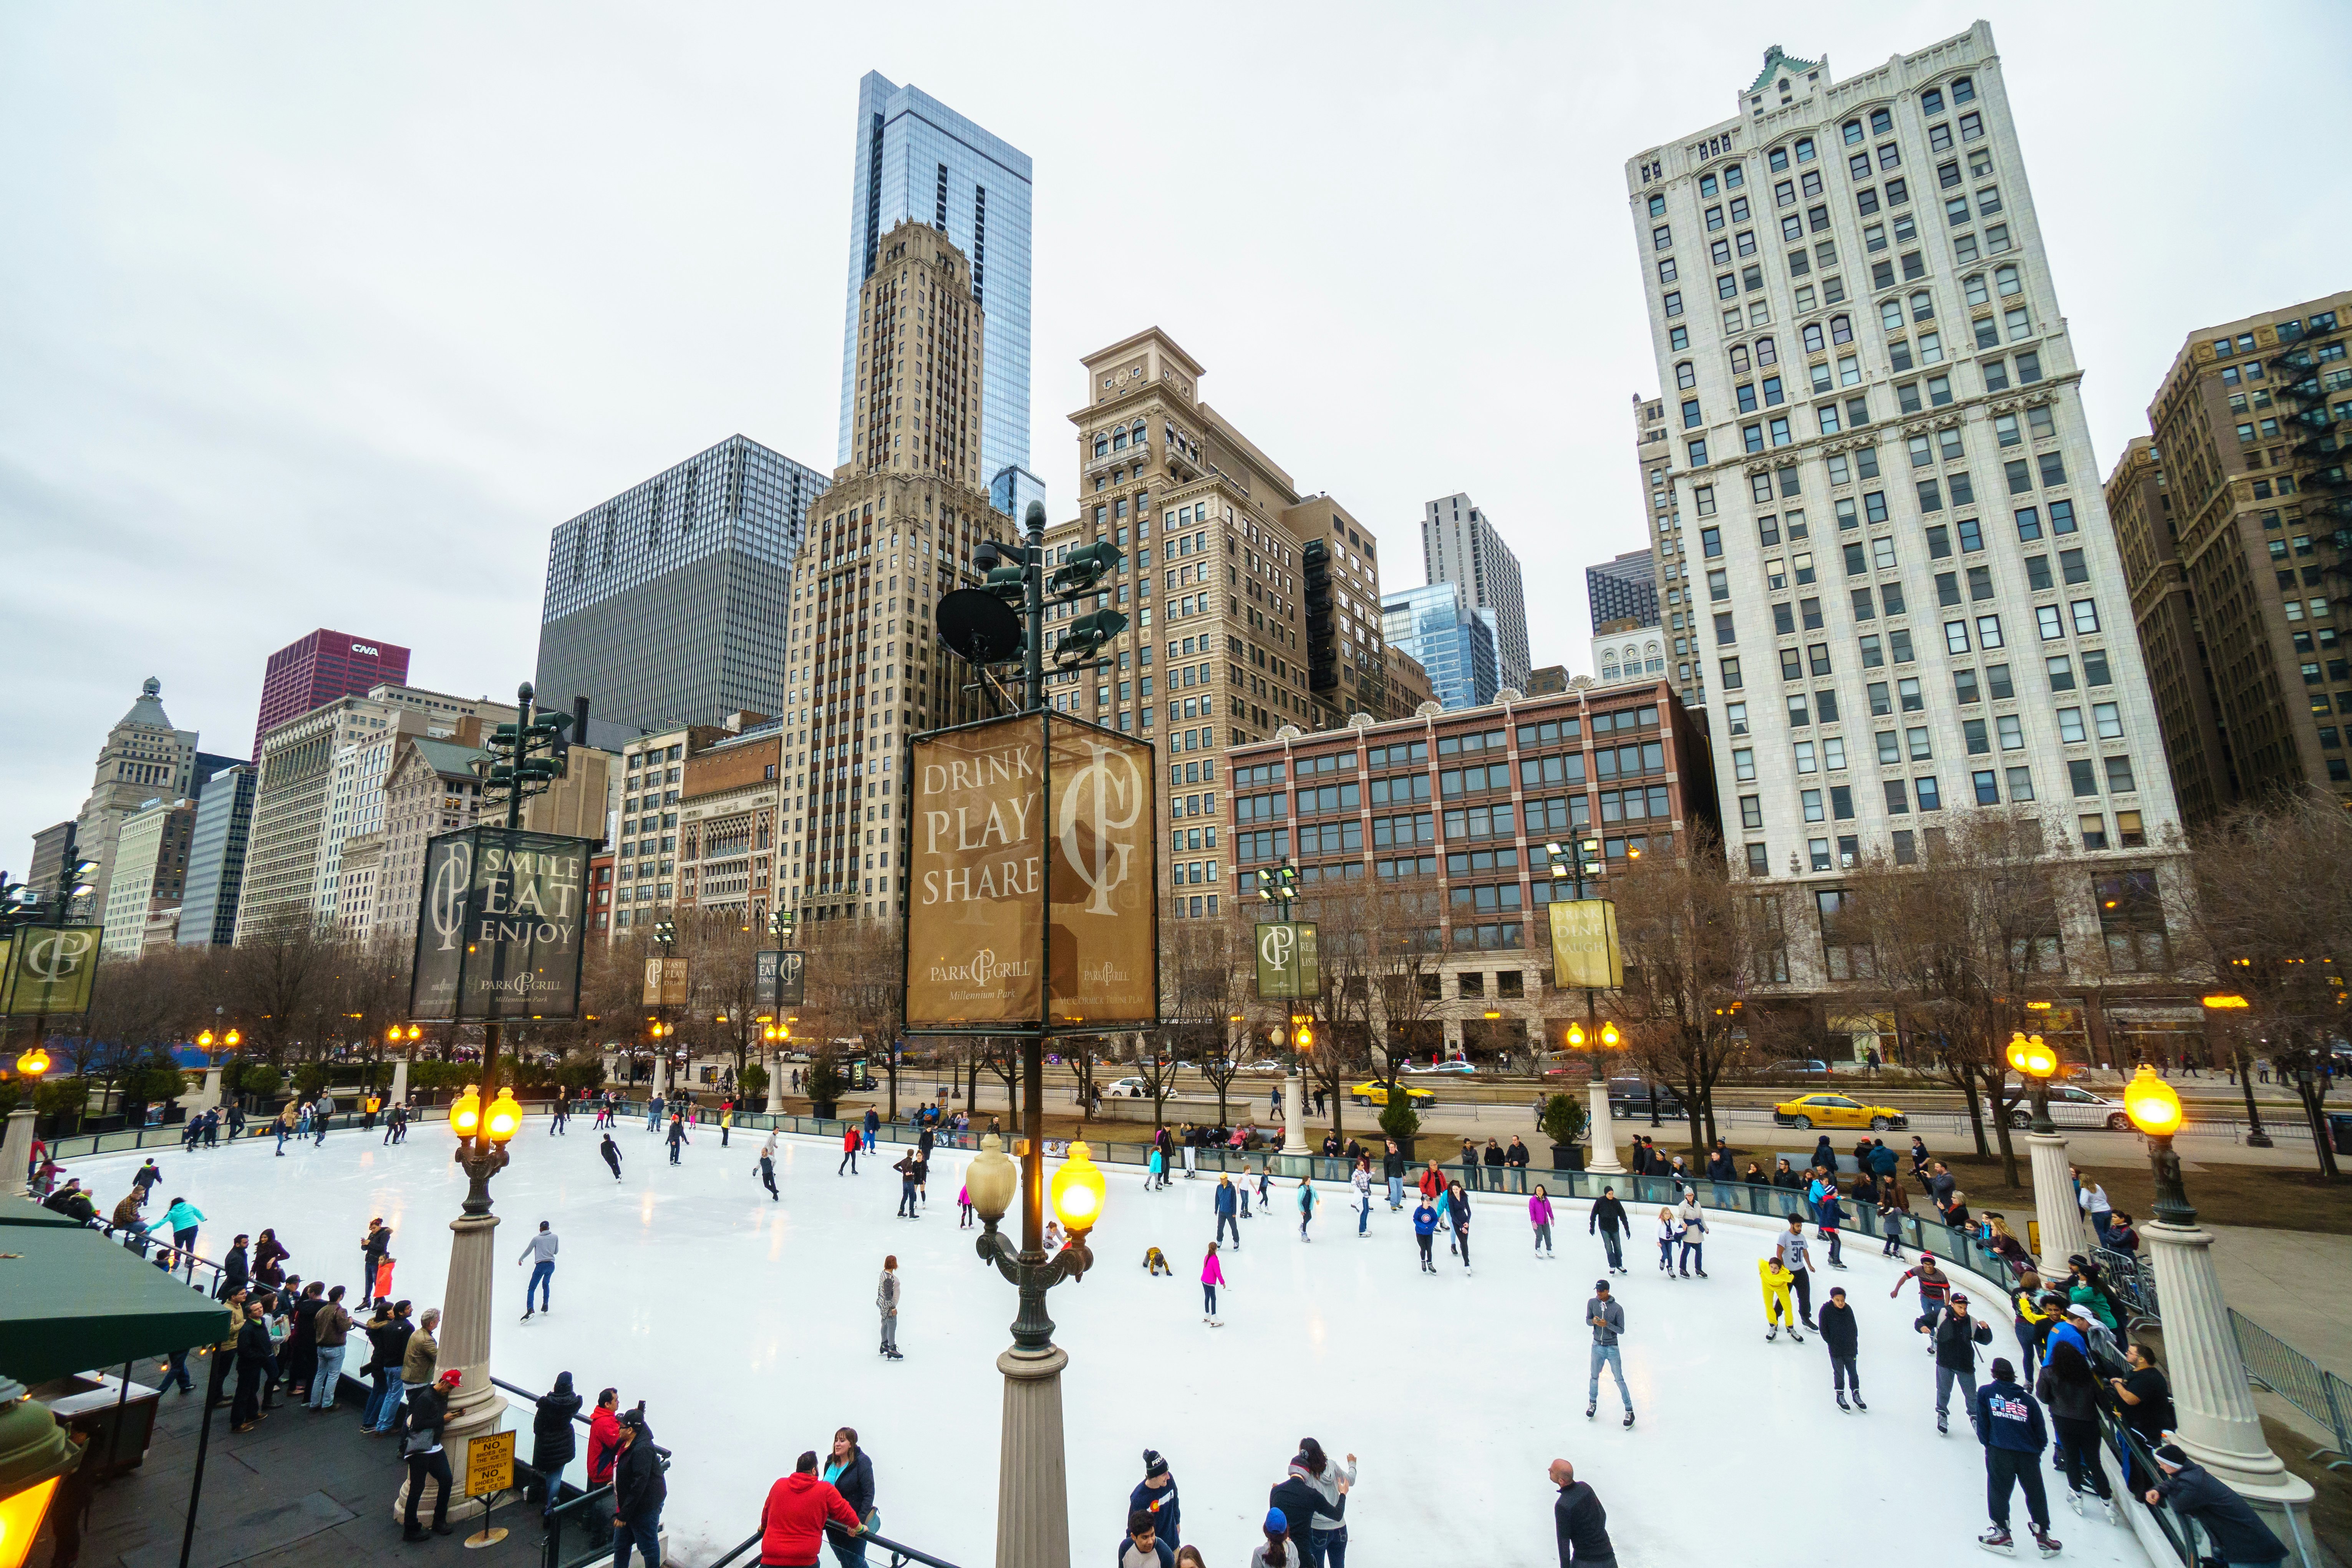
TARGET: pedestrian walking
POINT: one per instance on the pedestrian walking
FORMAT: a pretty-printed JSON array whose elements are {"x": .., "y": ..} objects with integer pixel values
[
  {"x": 1608, "y": 1218},
  {"x": 1305, "y": 1207},
  {"x": 1539, "y": 1217},
  {"x": 2009, "y": 1425},
  {"x": 612, "y": 1152},
  {"x": 1424, "y": 1230},
  {"x": 539, "y": 1253},
  {"x": 1580, "y": 1524},
  {"x": 1223, "y": 1200},
  {"x": 428, "y": 1411},
  {"x": 1155, "y": 1494},
  {"x": 1606, "y": 1317},
  {"x": 1955, "y": 1340},
  {"x": 1838, "y": 1331},
  {"x": 1213, "y": 1274},
  {"x": 2236, "y": 1533},
  {"x": 331, "y": 1327},
  {"x": 885, "y": 1299},
  {"x": 639, "y": 1491}
]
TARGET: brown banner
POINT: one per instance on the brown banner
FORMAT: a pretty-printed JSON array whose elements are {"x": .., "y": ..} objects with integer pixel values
[
  {"x": 976, "y": 909},
  {"x": 1105, "y": 877}
]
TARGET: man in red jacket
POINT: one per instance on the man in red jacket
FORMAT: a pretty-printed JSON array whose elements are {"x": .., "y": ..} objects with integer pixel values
[
  {"x": 791, "y": 1524},
  {"x": 604, "y": 1452}
]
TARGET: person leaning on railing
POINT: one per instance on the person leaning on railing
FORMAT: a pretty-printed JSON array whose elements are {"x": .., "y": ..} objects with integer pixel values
[{"x": 792, "y": 1520}]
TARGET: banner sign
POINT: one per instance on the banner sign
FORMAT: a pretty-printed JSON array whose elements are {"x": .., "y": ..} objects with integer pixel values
[
  {"x": 1034, "y": 875},
  {"x": 780, "y": 977},
  {"x": 499, "y": 932},
  {"x": 1286, "y": 964},
  {"x": 1584, "y": 946},
  {"x": 48, "y": 969},
  {"x": 668, "y": 983}
]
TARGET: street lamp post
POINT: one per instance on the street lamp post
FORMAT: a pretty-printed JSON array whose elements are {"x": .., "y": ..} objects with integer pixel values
[
  {"x": 1032, "y": 1513},
  {"x": 2231, "y": 1002},
  {"x": 1603, "y": 1037},
  {"x": 2059, "y": 1215},
  {"x": 2213, "y": 1405},
  {"x": 16, "y": 1151}
]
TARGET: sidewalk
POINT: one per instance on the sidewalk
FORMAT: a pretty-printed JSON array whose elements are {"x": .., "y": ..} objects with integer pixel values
[{"x": 2294, "y": 1284}]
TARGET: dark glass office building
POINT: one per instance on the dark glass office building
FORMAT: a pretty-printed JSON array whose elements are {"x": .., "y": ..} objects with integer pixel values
[
  {"x": 669, "y": 604},
  {"x": 1625, "y": 589},
  {"x": 216, "y": 851}
]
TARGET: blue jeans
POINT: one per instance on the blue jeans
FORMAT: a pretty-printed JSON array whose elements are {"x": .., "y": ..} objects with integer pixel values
[
  {"x": 1327, "y": 1547},
  {"x": 542, "y": 1272},
  {"x": 848, "y": 1551},
  {"x": 1396, "y": 1192},
  {"x": 1364, "y": 1215},
  {"x": 1606, "y": 1355},
  {"x": 377, "y": 1414},
  {"x": 645, "y": 1531},
  {"x": 328, "y": 1377}
]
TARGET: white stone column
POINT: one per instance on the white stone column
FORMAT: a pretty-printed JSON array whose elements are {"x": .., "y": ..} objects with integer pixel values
[
  {"x": 16, "y": 1152},
  {"x": 399, "y": 1095},
  {"x": 1032, "y": 1499},
  {"x": 1603, "y": 1158},
  {"x": 2213, "y": 1405},
  {"x": 202, "y": 1100},
  {"x": 2054, "y": 1204},
  {"x": 776, "y": 1085},
  {"x": 464, "y": 1338},
  {"x": 1294, "y": 1119}
]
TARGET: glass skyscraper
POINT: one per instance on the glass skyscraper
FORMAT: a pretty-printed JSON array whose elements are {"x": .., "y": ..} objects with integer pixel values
[
  {"x": 1454, "y": 642},
  {"x": 919, "y": 159}
]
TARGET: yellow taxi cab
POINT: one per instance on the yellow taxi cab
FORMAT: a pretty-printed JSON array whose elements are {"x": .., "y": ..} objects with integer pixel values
[
  {"x": 1375, "y": 1093},
  {"x": 1835, "y": 1111}
]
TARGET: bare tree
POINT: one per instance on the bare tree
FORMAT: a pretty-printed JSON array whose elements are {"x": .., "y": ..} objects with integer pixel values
[
  {"x": 277, "y": 977},
  {"x": 2272, "y": 917}
]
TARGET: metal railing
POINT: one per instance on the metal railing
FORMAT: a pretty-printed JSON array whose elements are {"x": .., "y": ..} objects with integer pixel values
[
  {"x": 2273, "y": 1364},
  {"x": 900, "y": 1555},
  {"x": 172, "y": 1134},
  {"x": 2132, "y": 1278},
  {"x": 580, "y": 1507}
]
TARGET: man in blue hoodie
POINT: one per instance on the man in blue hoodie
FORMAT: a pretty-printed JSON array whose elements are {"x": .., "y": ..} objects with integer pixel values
[
  {"x": 1225, "y": 1197},
  {"x": 2010, "y": 1426}
]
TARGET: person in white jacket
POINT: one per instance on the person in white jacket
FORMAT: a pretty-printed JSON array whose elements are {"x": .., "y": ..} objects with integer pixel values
[
  {"x": 1362, "y": 1178},
  {"x": 539, "y": 1253},
  {"x": 885, "y": 1297}
]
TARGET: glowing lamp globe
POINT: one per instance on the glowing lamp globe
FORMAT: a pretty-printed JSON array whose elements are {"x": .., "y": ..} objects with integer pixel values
[
  {"x": 1576, "y": 1037},
  {"x": 1077, "y": 1190},
  {"x": 205, "y": 1040},
  {"x": 1609, "y": 1036},
  {"x": 465, "y": 1114},
  {"x": 504, "y": 1118},
  {"x": 33, "y": 1063},
  {"x": 2150, "y": 1103},
  {"x": 234, "y": 1039},
  {"x": 2031, "y": 1056},
  {"x": 991, "y": 1180}
]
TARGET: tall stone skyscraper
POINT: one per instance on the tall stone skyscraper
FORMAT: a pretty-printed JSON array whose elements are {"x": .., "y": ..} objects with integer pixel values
[{"x": 1459, "y": 543}]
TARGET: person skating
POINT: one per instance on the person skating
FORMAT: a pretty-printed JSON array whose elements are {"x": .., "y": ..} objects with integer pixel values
[
  {"x": 1392, "y": 1171},
  {"x": 1789, "y": 1246},
  {"x": 2238, "y": 1534},
  {"x": 1213, "y": 1274},
  {"x": 1362, "y": 1179},
  {"x": 181, "y": 1218},
  {"x": 1300, "y": 1499},
  {"x": 612, "y": 1154},
  {"x": 539, "y": 1253},
  {"x": 1775, "y": 1278},
  {"x": 1580, "y": 1524},
  {"x": 676, "y": 1138},
  {"x": 906, "y": 1169},
  {"x": 1458, "y": 1209},
  {"x": 1539, "y": 1217},
  {"x": 1264, "y": 1190},
  {"x": 1155, "y": 1494},
  {"x": 1606, "y": 1317},
  {"x": 1221, "y": 1199},
  {"x": 1934, "y": 1290},
  {"x": 849, "y": 1470},
  {"x": 427, "y": 1413},
  {"x": 1826, "y": 1216},
  {"x": 2069, "y": 1392},
  {"x": 1955, "y": 1340},
  {"x": 767, "y": 1167},
  {"x": 1694, "y": 1236},
  {"x": 2008, "y": 1424},
  {"x": 886, "y": 1298},
  {"x": 1305, "y": 1207},
  {"x": 143, "y": 1180},
  {"x": 850, "y": 1145},
  {"x": 1608, "y": 1218},
  {"x": 1425, "y": 1231},
  {"x": 965, "y": 1217},
  {"x": 1836, "y": 1327},
  {"x": 1327, "y": 1524},
  {"x": 373, "y": 1247},
  {"x": 1669, "y": 1231}
]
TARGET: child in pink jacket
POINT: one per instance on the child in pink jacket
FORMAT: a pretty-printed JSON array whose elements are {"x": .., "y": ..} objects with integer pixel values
[
  {"x": 1540, "y": 1216},
  {"x": 1213, "y": 1275}
]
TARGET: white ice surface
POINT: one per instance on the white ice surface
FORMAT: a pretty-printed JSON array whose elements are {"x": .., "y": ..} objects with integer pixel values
[{"x": 748, "y": 1327}]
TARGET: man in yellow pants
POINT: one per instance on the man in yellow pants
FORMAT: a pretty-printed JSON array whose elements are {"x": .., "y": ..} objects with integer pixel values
[{"x": 1777, "y": 1280}]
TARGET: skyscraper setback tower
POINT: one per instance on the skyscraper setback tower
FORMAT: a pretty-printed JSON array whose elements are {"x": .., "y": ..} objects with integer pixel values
[
  {"x": 1459, "y": 544},
  {"x": 918, "y": 160}
]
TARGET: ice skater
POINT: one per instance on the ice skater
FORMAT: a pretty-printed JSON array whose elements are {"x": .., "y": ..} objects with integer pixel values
[
  {"x": 850, "y": 1144},
  {"x": 1607, "y": 1318},
  {"x": 1608, "y": 1218},
  {"x": 1776, "y": 1311},
  {"x": 2008, "y": 1424},
  {"x": 1212, "y": 1276},
  {"x": 678, "y": 1139},
  {"x": 1836, "y": 1327},
  {"x": 1264, "y": 1189},
  {"x": 906, "y": 1169},
  {"x": 1670, "y": 1230},
  {"x": 1425, "y": 1231},
  {"x": 1540, "y": 1216},
  {"x": 1457, "y": 1208},
  {"x": 1155, "y": 1170},
  {"x": 539, "y": 1253},
  {"x": 1826, "y": 1216},
  {"x": 1363, "y": 1184},
  {"x": 1790, "y": 1247},
  {"x": 612, "y": 1154},
  {"x": 964, "y": 1202},
  {"x": 1221, "y": 1200},
  {"x": 1694, "y": 1236},
  {"x": 1934, "y": 1290},
  {"x": 885, "y": 1297},
  {"x": 1305, "y": 1207},
  {"x": 768, "y": 1166},
  {"x": 1955, "y": 1343}
]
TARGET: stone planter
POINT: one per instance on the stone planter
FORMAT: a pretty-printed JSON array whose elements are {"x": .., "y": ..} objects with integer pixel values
[{"x": 1567, "y": 1157}]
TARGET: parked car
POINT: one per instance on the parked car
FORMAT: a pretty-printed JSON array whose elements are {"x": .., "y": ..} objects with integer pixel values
[
  {"x": 1633, "y": 1096},
  {"x": 1835, "y": 1111},
  {"x": 2073, "y": 1107},
  {"x": 1127, "y": 1088},
  {"x": 1274, "y": 1068},
  {"x": 1805, "y": 1066},
  {"x": 1457, "y": 1065},
  {"x": 1375, "y": 1093}
]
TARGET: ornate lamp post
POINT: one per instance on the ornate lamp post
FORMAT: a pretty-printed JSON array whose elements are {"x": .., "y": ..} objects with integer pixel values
[
  {"x": 2217, "y": 1422},
  {"x": 2215, "y": 1007},
  {"x": 16, "y": 1151},
  {"x": 1605, "y": 1037},
  {"x": 398, "y": 1036},
  {"x": 2054, "y": 1208},
  {"x": 1033, "y": 1512}
]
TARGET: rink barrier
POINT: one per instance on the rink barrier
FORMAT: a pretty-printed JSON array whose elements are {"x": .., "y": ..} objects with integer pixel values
[{"x": 2273, "y": 1364}]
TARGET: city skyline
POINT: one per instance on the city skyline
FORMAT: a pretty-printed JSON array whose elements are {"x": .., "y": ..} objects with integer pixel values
[{"x": 404, "y": 428}]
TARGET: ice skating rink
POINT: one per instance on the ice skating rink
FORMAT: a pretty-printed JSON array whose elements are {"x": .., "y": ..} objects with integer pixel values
[{"x": 748, "y": 1327}]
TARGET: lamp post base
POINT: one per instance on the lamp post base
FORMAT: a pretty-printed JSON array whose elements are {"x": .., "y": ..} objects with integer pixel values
[
  {"x": 399, "y": 1095},
  {"x": 1294, "y": 1115},
  {"x": 2054, "y": 1204},
  {"x": 477, "y": 1408},
  {"x": 1032, "y": 1506},
  {"x": 1603, "y": 1161}
]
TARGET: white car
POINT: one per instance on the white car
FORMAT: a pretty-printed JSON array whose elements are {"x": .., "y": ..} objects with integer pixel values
[
  {"x": 1274, "y": 1068},
  {"x": 1128, "y": 1089},
  {"x": 2073, "y": 1106}
]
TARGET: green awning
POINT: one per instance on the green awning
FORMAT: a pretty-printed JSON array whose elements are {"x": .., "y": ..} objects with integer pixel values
[
  {"x": 24, "y": 1211},
  {"x": 72, "y": 1300}
]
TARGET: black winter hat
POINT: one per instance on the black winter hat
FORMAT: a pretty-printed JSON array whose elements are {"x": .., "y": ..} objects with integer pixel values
[{"x": 1153, "y": 1465}]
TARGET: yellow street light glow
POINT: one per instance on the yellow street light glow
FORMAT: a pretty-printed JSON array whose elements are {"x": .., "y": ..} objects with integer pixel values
[
  {"x": 2037, "y": 1006},
  {"x": 233, "y": 1038},
  {"x": 206, "y": 1039},
  {"x": 505, "y": 1116},
  {"x": 1609, "y": 1036},
  {"x": 1576, "y": 1037},
  {"x": 2226, "y": 1003},
  {"x": 1306, "y": 1038},
  {"x": 20, "y": 1519},
  {"x": 1494, "y": 1014},
  {"x": 1077, "y": 1190},
  {"x": 33, "y": 1063},
  {"x": 2028, "y": 1056},
  {"x": 2150, "y": 1103},
  {"x": 465, "y": 1114}
]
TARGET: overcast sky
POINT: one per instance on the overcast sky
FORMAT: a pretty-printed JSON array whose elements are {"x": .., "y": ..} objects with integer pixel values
[{"x": 317, "y": 315}]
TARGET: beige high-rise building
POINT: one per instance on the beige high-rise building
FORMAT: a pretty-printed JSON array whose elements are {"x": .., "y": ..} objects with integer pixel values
[
  {"x": 144, "y": 760},
  {"x": 2235, "y": 525},
  {"x": 360, "y": 881},
  {"x": 1409, "y": 685},
  {"x": 150, "y": 874},
  {"x": 434, "y": 787},
  {"x": 1251, "y": 605}
]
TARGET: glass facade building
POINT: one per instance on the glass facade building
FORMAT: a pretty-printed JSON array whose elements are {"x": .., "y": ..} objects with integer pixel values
[
  {"x": 917, "y": 159},
  {"x": 668, "y": 605},
  {"x": 216, "y": 857},
  {"x": 1454, "y": 643},
  {"x": 1624, "y": 589}
]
